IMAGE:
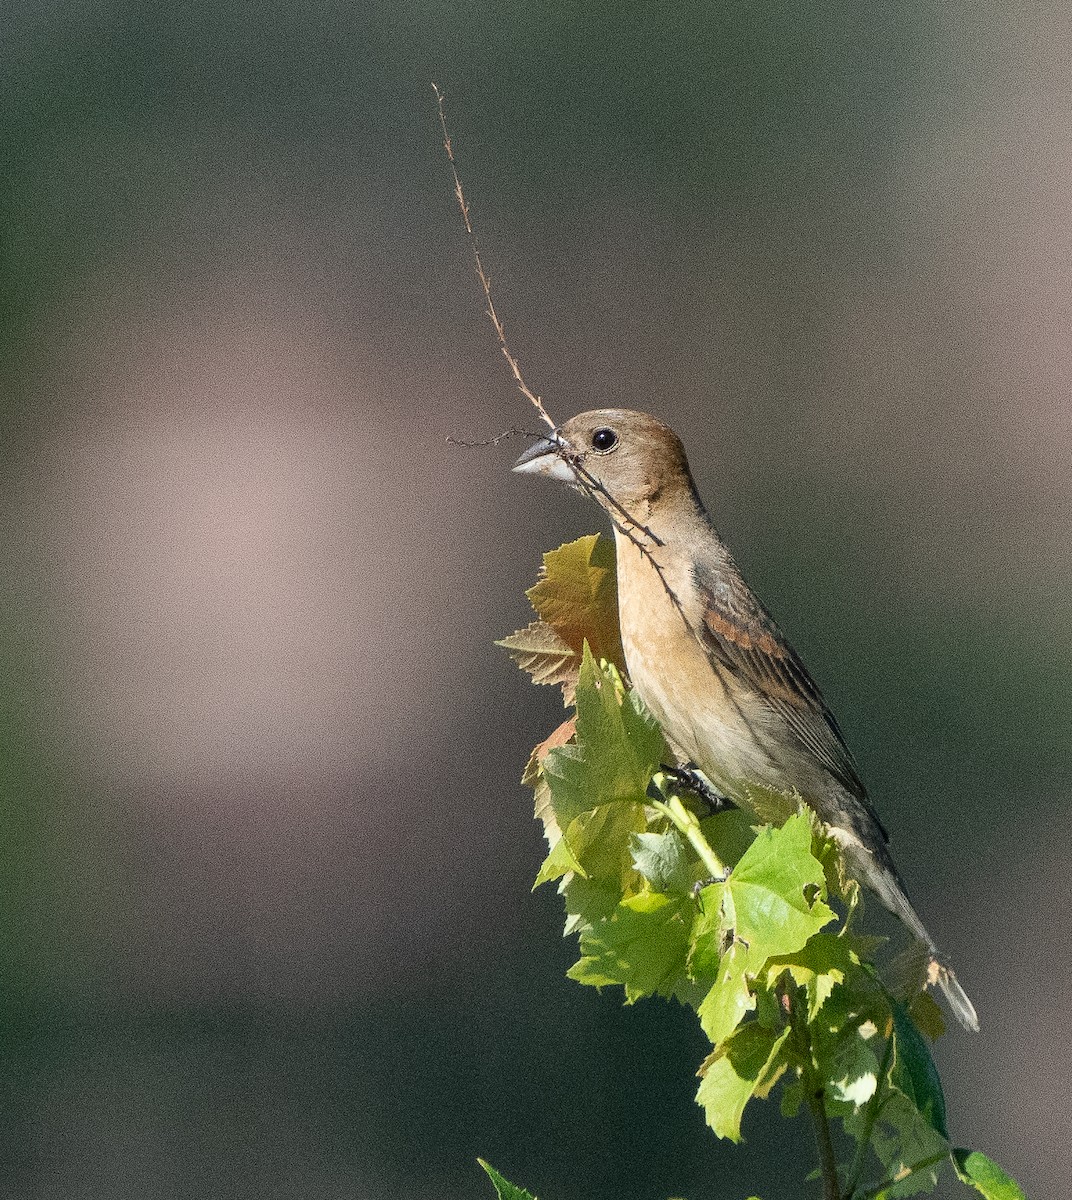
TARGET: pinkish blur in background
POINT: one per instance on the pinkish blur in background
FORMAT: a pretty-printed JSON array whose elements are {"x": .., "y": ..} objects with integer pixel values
[{"x": 267, "y": 923}]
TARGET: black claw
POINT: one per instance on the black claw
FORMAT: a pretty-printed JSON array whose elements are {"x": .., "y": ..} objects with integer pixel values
[
  {"x": 700, "y": 884},
  {"x": 691, "y": 780}
]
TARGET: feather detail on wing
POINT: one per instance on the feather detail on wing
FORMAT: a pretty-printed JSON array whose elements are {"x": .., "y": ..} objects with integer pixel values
[{"x": 741, "y": 635}]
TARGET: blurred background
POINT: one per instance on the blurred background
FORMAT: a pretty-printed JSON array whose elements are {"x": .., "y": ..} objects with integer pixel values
[{"x": 267, "y": 928}]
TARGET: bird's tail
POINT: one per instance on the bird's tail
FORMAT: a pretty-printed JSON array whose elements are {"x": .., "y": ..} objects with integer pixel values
[
  {"x": 956, "y": 996},
  {"x": 881, "y": 877}
]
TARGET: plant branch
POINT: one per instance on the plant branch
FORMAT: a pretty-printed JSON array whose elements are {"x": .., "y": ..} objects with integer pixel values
[
  {"x": 687, "y": 824},
  {"x": 485, "y": 281},
  {"x": 934, "y": 1159},
  {"x": 622, "y": 520}
]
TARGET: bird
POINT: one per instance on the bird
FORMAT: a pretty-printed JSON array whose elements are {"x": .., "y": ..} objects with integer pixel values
[{"x": 705, "y": 656}]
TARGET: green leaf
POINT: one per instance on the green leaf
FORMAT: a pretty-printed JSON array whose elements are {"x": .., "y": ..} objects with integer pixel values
[
  {"x": 914, "y": 1072},
  {"x": 927, "y": 1017},
  {"x": 705, "y": 953},
  {"x": 588, "y": 901},
  {"x": 985, "y": 1176},
  {"x": 857, "y": 1008},
  {"x": 617, "y": 750},
  {"x": 776, "y": 889},
  {"x": 792, "y": 1099},
  {"x": 664, "y": 861},
  {"x": 849, "y": 1061},
  {"x": 641, "y": 947},
  {"x": 902, "y": 1139},
  {"x": 734, "y": 1072},
  {"x": 602, "y": 842},
  {"x": 731, "y": 997},
  {"x": 505, "y": 1189},
  {"x": 559, "y": 861},
  {"x": 534, "y": 777},
  {"x": 577, "y": 596},
  {"x": 768, "y": 908},
  {"x": 730, "y": 833},
  {"x": 598, "y": 845},
  {"x": 825, "y": 961}
]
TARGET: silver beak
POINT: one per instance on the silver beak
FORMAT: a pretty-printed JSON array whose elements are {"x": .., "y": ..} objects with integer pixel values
[{"x": 543, "y": 458}]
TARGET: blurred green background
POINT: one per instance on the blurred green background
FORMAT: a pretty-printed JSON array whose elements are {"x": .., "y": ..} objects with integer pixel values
[{"x": 267, "y": 928}]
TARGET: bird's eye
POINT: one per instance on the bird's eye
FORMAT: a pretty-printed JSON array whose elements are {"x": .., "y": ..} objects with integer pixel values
[{"x": 604, "y": 440}]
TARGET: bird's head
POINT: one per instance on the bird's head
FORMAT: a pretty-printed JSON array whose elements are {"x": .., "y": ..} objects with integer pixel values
[{"x": 629, "y": 460}]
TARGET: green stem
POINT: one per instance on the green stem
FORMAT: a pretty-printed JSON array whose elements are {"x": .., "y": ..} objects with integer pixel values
[
  {"x": 850, "y": 910},
  {"x": 814, "y": 1094},
  {"x": 871, "y": 1193},
  {"x": 689, "y": 826}
]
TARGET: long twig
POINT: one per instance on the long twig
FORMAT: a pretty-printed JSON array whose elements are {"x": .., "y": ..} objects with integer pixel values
[
  {"x": 623, "y": 521},
  {"x": 485, "y": 281}
]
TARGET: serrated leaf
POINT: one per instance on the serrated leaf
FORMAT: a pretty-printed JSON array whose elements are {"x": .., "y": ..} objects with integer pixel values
[
  {"x": 559, "y": 862},
  {"x": 902, "y": 1139},
  {"x": 822, "y": 963},
  {"x": 664, "y": 861},
  {"x": 503, "y": 1187},
  {"x": 588, "y": 901},
  {"x": 597, "y": 846},
  {"x": 729, "y": 833},
  {"x": 905, "y": 1137},
  {"x": 601, "y": 841},
  {"x": 776, "y": 889},
  {"x": 768, "y": 908},
  {"x": 705, "y": 953},
  {"x": 850, "y": 1064},
  {"x": 618, "y": 747},
  {"x": 640, "y": 947},
  {"x": 577, "y": 595},
  {"x": 914, "y": 1072},
  {"x": 533, "y": 777},
  {"x": 730, "y": 998},
  {"x": 540, "y": 651},
  {"x": 985, "y": 1176},
  {"x": 732, "y": 1074},
  {"x": 847, "y": 1046}
]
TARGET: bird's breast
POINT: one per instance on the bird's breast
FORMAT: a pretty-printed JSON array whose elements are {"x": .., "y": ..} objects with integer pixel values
[{"x": 704, "y": 710}]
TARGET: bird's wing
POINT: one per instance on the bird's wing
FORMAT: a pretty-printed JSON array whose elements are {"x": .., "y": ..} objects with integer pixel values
[{"x": 741, "y": 635}]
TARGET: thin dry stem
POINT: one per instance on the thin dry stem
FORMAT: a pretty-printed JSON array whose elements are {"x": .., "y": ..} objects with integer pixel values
[
  {"x": 622, "y": 520},
  {"x": 516, "y": 431},
  {"x": 485, "y": 282},
  {"x": 625, "y": 523}
]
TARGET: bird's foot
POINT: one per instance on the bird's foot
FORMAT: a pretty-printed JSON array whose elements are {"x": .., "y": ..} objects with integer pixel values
[
  {"x": 691, "y": 780},
  {"x": 700, "y": 884}
]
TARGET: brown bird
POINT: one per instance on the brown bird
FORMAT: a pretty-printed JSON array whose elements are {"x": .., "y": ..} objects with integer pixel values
[{"x": 705, "y": 656}]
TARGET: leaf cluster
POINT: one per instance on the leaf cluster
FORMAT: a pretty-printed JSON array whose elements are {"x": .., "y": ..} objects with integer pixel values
[{"x": 752, "y": 928}]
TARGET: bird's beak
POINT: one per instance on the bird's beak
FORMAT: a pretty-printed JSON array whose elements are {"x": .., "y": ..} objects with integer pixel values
[{"x": 543, "y": 458}]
